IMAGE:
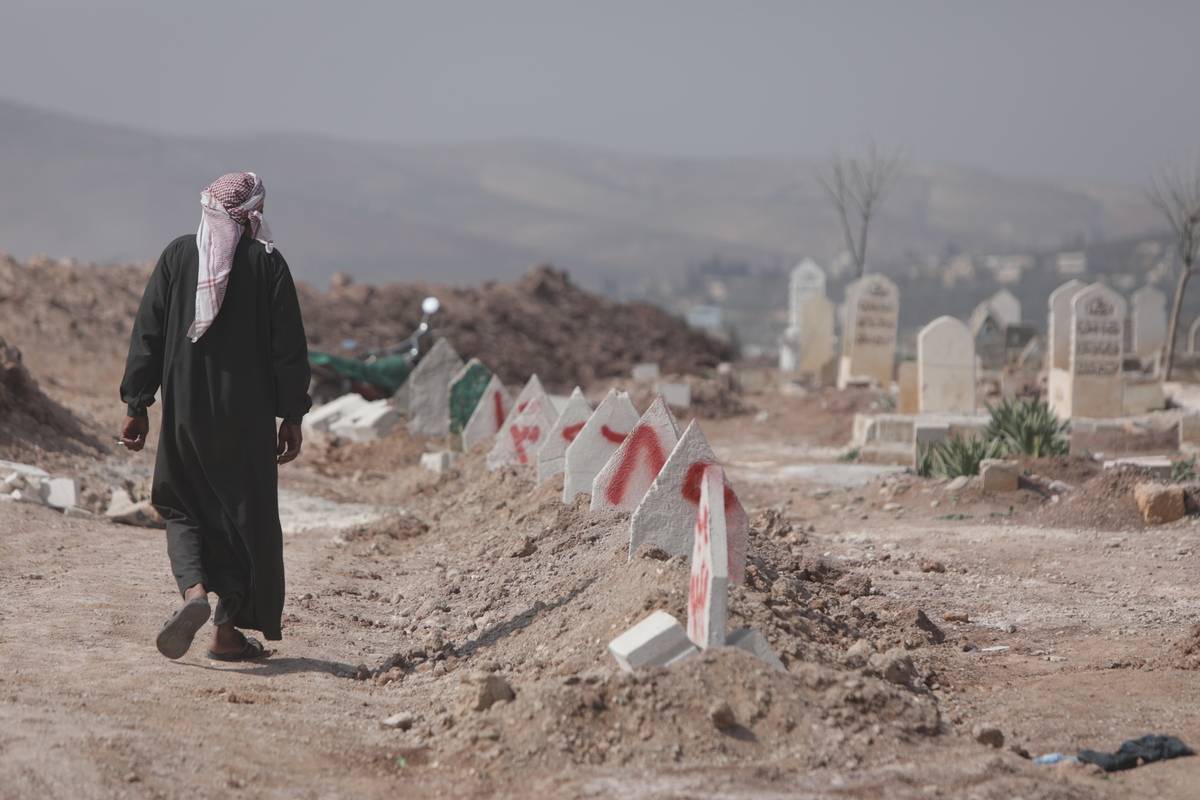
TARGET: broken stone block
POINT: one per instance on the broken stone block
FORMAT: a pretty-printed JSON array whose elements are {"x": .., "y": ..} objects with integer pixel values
[
  {"x": 656, "y": 641},
  {"x": 481, "y": 692},
  {"x": 645, "y": 373},
  {"x": 999, "y": 476},
  {"x": 437, "y": 463},
  {"x": 322, "y": 418},
  {"x": 59, "y": 493},
  {"x": 368, "y": 423},
  {"x": 1158, "y": 466},
  {"x": 26, "y": 496},
  {"x": 677, "y": 395},
  {"x": 958, "y": 484},
  {"x": 79, "y": 513},
  {"x": 122, "y": 510},
  {"x": 756, "y": 645},
  {"x": 1160, "y": 503}
]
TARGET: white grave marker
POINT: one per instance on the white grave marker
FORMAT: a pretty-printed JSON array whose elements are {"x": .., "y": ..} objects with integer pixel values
[
  {"x": 552, "y": 456},
  {"x": 1097, "y": 351},
  {"x": 708, "y": 589},
  {"x": 600, "y": 437},
  {"x": 1059, "y": 323},
  {"x": 869, "y": 340},
  {"x": 531, "y": 418},
  {"x": 627, "y": 476},
  {"x": 489, "y": 414},
  {"x": 946, "y": 368},
  {"x": 1149, "y": 317}
]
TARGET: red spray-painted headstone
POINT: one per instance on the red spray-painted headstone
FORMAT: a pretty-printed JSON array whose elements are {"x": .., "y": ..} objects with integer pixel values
[
  {"x": 525, "y": 430},
  {"x": 488, "y": 416},
  {"x": 708, "y": 588},
  {"x": 632, "y": 469},
  {"x": 665, "y": 516},
  {"x": 552, "y": 455},
  {"x": 595, "y": 443}
]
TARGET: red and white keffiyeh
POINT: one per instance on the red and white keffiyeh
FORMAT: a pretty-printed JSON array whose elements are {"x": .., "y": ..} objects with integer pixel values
[{"x": 231, "y": 201}]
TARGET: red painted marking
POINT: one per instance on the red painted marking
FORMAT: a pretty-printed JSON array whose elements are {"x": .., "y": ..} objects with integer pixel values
[
  {"x": 521, "y": 406},
  {"x": 611, "y": 435},
  {"x": 571, "y": 431},
  {"x": 498, "y": 409},
  {"x": 522, "y": 434},
  {"x": 691, "y": 486},
  {"x": 698, "y": 602},
  {"x": 642, "y": 439}
]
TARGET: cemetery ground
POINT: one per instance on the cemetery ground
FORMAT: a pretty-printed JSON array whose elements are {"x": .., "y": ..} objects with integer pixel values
[{"x": 445, "y": 636}]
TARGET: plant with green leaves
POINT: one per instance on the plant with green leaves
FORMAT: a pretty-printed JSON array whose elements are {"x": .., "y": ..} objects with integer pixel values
[
  {"x": 1184, "y": 471},
  {"x": 1027, "y": 427},
  {"x": 957, "y": 456}
]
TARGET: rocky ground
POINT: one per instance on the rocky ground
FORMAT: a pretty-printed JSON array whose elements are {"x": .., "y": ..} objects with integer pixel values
[{"x": 445, "y": 635}]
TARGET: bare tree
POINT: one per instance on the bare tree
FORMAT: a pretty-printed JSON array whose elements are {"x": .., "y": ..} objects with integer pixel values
[
  {"x": 1176, "y": 195},
  {"x": 856, "y": 187}
]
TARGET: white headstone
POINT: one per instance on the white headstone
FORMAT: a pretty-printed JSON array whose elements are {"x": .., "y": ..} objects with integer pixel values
[
  {"x": 552, "y": 456},
  {"x": 1006, "y": 307},
  {"x": 488, "y": 416},
  {"x": 869, "y": 342},
  {"x": 531, "y": 418},
  {"x": 677, "y": 395},
  {"x": 627, "y": 476},
  {"x": 429, "y": 390},
  {"x": 1097, "y": 339},
  {"x": 1149, "y": 315},
  {"x": 708, "y": 589},
  {"x": 946, "y": 368},
  {"x": 667, "y": 513},
  {"x": 1058, "y": 325},
  {"x": 602, "y": 434},
  {"x": 806, "y": 279}
]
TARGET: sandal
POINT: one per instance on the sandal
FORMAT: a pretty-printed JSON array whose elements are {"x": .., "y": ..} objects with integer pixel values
[
  {"x": 252, "y": 649},
  {"x": 177, "y": 633}
]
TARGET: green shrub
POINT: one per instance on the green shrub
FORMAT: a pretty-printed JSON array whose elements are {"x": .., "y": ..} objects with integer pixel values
[
  {"x": 957, "y": 456},
  {"x": 850, "y": 455},
  {"x": 1184, "y": 471},
  {"x": 924, "y": 465},
  {"x": 1026, "y": 427}
]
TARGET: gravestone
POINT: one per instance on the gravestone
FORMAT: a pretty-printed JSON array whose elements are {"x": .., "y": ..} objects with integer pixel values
[
  {"x": 665, "y": 517},
  {"x": 627, "y": 476},
  {"x": 1058, "y": 326},
  {"x": 525, "y": 429},
  {"x": 551, "y": 457},
  {"x": 869, "y": 341},
  {"x": 1097, "y": 338},
  {"x": 1149, "y": 321},
  {"x": 990, "y": 340},
  {"x": 906, "y": 378},
  {"x": 599, "y": 438},
  {"x": 708, "y": 588},
  {"x": 1006, "y": 307},
  {"x": 806, "y": 279},
  {"x": 466, "y": 389},
  {"x": 429, "y": 390},
  {"x": 946, "y": 368},
  {"x": 488, "y": 416}
]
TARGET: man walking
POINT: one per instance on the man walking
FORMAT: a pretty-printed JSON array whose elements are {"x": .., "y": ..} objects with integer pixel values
[{"x": 219, "y": 330}]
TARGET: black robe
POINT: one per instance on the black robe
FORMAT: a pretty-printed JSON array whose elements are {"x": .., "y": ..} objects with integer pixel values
[{"x": 215, "y": 478}]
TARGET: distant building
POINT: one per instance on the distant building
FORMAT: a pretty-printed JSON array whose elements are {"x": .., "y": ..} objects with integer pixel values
[
  {"x": 959, "y": 268},
  {"x": 1071, "y": 264},
  {"x": 1008, "y": 268},
  {"x": 707, "y": 318}
]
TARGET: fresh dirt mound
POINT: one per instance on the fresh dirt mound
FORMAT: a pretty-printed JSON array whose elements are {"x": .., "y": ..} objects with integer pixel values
[
  {"x": 1185, "y": 653},
  {"x": 1104, "y": 502},
  {"x": 542, "y": 323},
  {"x": 30, "y": 422}
]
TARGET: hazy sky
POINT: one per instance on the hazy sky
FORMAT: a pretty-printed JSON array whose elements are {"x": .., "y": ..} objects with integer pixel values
[{"x": 1087, "y": 89}]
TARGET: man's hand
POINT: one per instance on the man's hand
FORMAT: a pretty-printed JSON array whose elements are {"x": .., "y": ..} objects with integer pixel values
[
  {"x": 133, "y": 433},
  {"x": 290, "y": 441}
]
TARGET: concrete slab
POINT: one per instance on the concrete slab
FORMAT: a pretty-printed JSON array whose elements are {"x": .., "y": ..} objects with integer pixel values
[
  {"x": 59, "y": 493},
  {"x": 552, "y": 455},
  {"x": 708, "y": 589},
  {"x": 371, "y": 421},
  {"x": 656, "y": 641},
  {"x": 666, "y": 516},
  {"x": 627, "y": 476},
  {"x": 596, "y": 443},
  {"x": 756, "y": 645},
  {"x": 677, "y": 395},
  {"x": 645, "y": 373},
  {"x": 488, "y": 417},
  {"x": 322, "y": 418},
  {"x": 7, "y": 467}
]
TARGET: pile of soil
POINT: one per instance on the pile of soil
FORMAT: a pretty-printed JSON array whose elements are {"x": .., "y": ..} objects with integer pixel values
[
  {"x": 1103, "y": 502},
  {"x": 32, "y": 424},
  {"x": 542, "y": 323},
  {"x": 1185, "y": 653}
]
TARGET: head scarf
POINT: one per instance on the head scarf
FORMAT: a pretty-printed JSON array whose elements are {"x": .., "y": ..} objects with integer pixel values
[{"x": 232, "y": 201}]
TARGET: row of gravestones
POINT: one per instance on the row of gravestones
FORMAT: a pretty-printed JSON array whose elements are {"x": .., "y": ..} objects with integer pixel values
[{"x": 624, "y": 461}]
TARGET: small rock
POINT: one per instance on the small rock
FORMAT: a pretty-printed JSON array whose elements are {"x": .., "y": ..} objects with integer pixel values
[
  {"x": 892, "y": 507},
  {"x": 999, "y": 476},
  {"x": 895, "y": 666},
  {"x": 1160, "y": 503},
  {"x": 483, "y": 692},
  {"x": 989, "y": 735},
  {"x": 853, "y": 584},
  {"x": 402, "y": 721},
  {"x": 721, "y": 716},
  {"x": 1061, "y": 487},
  {"x": 956, "y": 616},
  {"x": 932, "y": 565},
  {"x": 525, "y": 549},
  {"x": 958, "y": 484},
  {"x": 859, "y": 654},
  {"x": 652, "y": 552}
]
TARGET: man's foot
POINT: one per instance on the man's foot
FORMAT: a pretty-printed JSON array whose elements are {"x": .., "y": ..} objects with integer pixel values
[
  {"x": 177, "y": 633},
  {"x": 229, "y": 644}
]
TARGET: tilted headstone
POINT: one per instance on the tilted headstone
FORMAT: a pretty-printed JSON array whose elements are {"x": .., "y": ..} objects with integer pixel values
[
  {"x": 1058, "y": 326},
  {"x": 1149, "y": 317},
  {"x": 466, "y": 389},
  {"x": 869, "y": 342},
  {"x": 488, "y": 416},
  {"x": 600, "y": 437},
  {"x": 1006, "y": 307},
  {"x": 552, "y": 456},
  {"x": 989, "y": 338},
  {"x": 708, "y": 589},
  {"x": 429, "y": 390},
  {"x": 623, "y": 482},
  {"x": 531, "y": 418},
  {"x": 667, "y": 513},
  {"x": 946, "y": 368},
  {"x": 1097, "y": 337}
]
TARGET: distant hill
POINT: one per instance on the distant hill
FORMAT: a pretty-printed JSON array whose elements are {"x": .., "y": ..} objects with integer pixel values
[{"x": 465, "y": 212}]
